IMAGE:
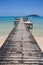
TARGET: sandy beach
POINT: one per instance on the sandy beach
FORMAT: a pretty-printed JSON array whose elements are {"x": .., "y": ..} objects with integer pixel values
[
  {"x": 2, "y": 39},
  {"x": 39, "y": 41}
]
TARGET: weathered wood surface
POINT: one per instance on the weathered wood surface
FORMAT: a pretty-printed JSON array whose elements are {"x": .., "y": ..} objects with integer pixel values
[{"x": 20, "y": 48}]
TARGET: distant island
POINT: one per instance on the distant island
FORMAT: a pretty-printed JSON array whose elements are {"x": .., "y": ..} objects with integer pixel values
[{"x": 33, "y": 15}]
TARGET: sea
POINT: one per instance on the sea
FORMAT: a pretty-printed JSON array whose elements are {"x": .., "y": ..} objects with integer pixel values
[
  {"x": 7, "y": 23},
  {"x": 37, "y": 26}
]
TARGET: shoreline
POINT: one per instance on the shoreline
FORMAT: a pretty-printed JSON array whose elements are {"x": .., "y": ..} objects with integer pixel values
[
  {"x": 2, "y": 39},
  {"x": 39, "y": 40}
]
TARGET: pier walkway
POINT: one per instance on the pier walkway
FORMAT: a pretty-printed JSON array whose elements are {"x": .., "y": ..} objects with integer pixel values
[{"x": 20, "y": 48}]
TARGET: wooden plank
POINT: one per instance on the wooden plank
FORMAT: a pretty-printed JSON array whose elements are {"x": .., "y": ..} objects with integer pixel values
[{"x": 20, "y": 48}]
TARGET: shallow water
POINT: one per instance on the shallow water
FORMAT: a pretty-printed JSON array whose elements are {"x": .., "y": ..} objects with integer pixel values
[
  {"x": 6, "y": 25},
  {"x": 37, "y": 25}
]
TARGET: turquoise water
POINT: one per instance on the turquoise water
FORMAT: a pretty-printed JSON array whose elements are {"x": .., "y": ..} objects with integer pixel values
[
  {"x": 37, "y": 26},
  {"x": 6, "y": 25}
]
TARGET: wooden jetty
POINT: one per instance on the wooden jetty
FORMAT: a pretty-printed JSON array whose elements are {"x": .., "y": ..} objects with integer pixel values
[
  {"x": 20, "y": 48},
  {"x": 25, "y": 19},
  {"x": 16, "y": 18}
]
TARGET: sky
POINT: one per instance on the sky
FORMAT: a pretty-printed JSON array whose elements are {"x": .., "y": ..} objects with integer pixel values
[{"x": 21, "y": 7}]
